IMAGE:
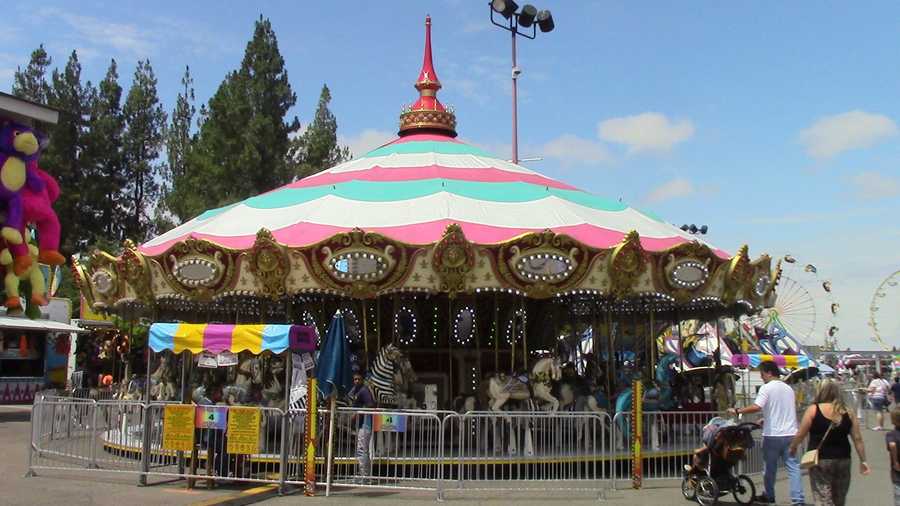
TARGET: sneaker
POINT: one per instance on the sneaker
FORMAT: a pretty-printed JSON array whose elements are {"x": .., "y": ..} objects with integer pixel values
[
  {"x": 877, "y": 428},
  {"x": 761, "y": 499}
]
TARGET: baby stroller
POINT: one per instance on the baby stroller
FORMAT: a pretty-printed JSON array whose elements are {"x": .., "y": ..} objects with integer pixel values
[{"x": 711, "y": 475}]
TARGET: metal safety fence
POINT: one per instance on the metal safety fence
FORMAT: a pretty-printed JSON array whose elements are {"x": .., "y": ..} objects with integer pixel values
[{"x": 439, "y": 451}]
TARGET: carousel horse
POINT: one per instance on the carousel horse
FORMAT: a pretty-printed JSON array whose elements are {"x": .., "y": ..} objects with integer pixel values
[
  {"x": 390, "y": 373},
  {"x": 537, "y": 386},
  {"x": 249, "y": 374},
  {"x": 658, "y": 398},
  {"x": 162, "y": 381}
]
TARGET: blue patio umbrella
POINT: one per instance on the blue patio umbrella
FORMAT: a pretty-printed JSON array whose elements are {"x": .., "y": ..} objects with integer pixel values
[
  {"x": 334, "y": 378},
  {"x": 333, "y": 370}
]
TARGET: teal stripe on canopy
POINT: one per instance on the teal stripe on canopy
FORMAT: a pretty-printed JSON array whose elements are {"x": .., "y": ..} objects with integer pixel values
[
  {"x": 444, "y": 148},
  {"x": 395, "y": 191}
]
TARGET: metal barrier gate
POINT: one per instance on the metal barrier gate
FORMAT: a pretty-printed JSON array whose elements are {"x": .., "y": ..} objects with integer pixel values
[{"x": 420, "y": 450}]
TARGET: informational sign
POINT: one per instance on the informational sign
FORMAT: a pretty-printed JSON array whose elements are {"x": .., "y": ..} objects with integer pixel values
[
  {"x": 211, "y": 417},
  {"x": 389, "y": 423},
  {"x": 178, "y": 427},
  {"x": 243, "y": 430},
  {"x": 207, "y": 360},
  {"x": 226, "y": 358}
]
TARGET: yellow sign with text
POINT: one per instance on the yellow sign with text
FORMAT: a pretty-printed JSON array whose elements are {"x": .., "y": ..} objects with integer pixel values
[
  {"x": 243, "y": 430},
  {"x": 178, "y": 427}
]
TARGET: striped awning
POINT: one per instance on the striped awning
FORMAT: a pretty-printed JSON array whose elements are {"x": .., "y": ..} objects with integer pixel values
[
  {"x": 216, "y": 338},
  {"x": 788, "y": 361}
]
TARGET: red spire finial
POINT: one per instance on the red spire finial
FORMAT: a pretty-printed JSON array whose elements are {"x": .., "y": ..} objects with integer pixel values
[
  {"x": 427, "y": 113},
  {"x": 428, "y": 78}
]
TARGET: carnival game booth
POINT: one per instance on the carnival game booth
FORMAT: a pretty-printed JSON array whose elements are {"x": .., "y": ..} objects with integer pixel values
[
  {"x": 475, "y": 268},
  {"x": 33, "y": 357}
]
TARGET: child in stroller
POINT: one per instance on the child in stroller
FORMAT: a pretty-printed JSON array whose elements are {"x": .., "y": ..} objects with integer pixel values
[{"x": 710, "y": 476}]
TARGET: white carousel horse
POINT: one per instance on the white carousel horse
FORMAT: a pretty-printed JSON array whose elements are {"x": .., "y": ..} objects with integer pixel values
[
  {"x": 502, "y": 387},
  {"x": 538, "y": 386}
]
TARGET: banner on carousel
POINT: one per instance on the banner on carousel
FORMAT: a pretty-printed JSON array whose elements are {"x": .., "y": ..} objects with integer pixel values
[
  {"x": 754, "y": 359},
  {"x": 178, "y": 427},
  {"x": 243, "y": 430}
]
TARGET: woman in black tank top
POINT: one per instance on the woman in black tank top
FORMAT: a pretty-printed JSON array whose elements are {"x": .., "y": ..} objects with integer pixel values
[{"x": 830, "y": 479}]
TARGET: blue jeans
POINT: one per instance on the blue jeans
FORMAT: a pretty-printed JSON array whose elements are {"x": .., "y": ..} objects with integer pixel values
[{"x": 775, "y": 447}]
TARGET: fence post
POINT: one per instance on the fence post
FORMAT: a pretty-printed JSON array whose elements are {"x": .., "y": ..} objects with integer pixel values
[
  {"x": 145, "y": 444},
  {"x": 440, "y": 465},
  {"x": 52, "y": 418},
  {"x": 613, "y": 439},
  {"x": 35, "y": 415},
  {"x": 93, "y": 440},
  {"x": 284, "y": 453}
]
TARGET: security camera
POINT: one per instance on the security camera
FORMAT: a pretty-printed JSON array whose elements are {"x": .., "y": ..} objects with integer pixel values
[{"x": 516, "y": 71}]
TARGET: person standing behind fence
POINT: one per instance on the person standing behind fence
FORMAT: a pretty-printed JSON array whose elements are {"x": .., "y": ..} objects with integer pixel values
[
  {"x": 829, "y": 425},
  {"x": 361, "y": 397},
  {"x": 879, "y": 390},
  {"x": 892, "y": 439},
  {"x": 776, "y": 401}
]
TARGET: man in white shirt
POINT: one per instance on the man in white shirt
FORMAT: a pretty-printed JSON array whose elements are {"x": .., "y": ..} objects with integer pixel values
[{"x": 776, "y": 401}]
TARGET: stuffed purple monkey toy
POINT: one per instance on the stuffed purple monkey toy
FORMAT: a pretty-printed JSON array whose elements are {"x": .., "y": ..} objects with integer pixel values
[{"x": 19, "y": 146}]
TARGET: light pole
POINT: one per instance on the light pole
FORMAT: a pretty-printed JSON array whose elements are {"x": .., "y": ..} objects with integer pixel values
[{"x": 528, "y": 17}]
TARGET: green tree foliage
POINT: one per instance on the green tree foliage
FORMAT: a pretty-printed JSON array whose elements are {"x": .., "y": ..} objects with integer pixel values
[
  {"x": 31, "y": 83},
  {"x": 244, "y": 139},
  {"x": 142, "y": 143},
  {"x": 105, "y": 170},
  {"x": 317, "y": 149},
  {"x": 179, "y": 141},
  {"x": 65, "y": 158}
]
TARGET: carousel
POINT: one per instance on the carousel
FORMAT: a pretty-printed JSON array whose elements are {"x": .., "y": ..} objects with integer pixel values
[{"x": 479, "y": 274}]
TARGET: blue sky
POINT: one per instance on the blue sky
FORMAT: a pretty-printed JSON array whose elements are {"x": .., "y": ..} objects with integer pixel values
[{"x": 774, "y": 123}]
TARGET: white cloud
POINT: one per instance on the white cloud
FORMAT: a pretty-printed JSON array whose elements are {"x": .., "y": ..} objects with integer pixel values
[
  {"x": 832, "y": 135},
  {"x": 366, "y": 141},
  {"x": 573, "y": 150},
  {"x": 125, "y": 37},
  {"x": 676, "y": 188},
  {"x": 475, "y": 26},
  {"x": 650, "y": 131},
  {"x": 872, "y": 185}
]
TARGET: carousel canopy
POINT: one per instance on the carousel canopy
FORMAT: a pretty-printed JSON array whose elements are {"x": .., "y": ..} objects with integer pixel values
[
  {"x": 412, "y": 188},
  {"x": 787, "y": 361},
  {"x": 215, "y": 338},
  {"x": 427, "y": 212}
]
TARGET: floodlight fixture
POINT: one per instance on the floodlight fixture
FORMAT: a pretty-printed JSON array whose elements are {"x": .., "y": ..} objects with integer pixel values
[
  {"x": 545, "y": 21},
  {"x": 504, "y": 7},
  {"x": 526, "y": 17}
]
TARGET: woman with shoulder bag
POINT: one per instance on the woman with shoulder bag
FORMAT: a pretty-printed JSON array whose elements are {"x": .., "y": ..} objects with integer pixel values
[{"x": 830, "y": 426}]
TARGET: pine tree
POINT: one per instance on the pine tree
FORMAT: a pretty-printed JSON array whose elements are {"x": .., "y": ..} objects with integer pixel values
[
  {"x": 141, "y": 143},
  {"x": 242, "y": 148},
  {"x": 31, "y": 83},
  {"x": 178, "y": 147},
  {"x": 317, "y": 149},
  {"x": 104, "y": 177},
  {"x": 63, "y": 158}
]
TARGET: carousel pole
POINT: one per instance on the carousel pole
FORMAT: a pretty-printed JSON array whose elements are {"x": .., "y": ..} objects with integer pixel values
[
  {"x": 512, "y": 359},
  {"x": 496, "y": 335},
  {"x": 378, "y": 323},
  {"x": 524, "y": 334},
  {"x": 652, "y": 340},
  {"x": 450, "y": 345},
  {"x": 365, "y": 329},
  {"x": 610, "y": 359}
]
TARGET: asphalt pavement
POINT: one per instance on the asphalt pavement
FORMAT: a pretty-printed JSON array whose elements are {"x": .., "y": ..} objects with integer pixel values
[{"x": 99, "y": 488}]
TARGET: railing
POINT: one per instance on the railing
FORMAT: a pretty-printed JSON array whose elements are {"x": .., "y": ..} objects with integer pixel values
[
  {"x": 422, "y": 450},
  {"x": 528, "y": 450}
]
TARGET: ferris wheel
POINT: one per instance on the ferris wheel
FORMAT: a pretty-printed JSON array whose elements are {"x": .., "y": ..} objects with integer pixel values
[
  {"x": 884, "y": 317},
  {"x": 805, "y": 308}
]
